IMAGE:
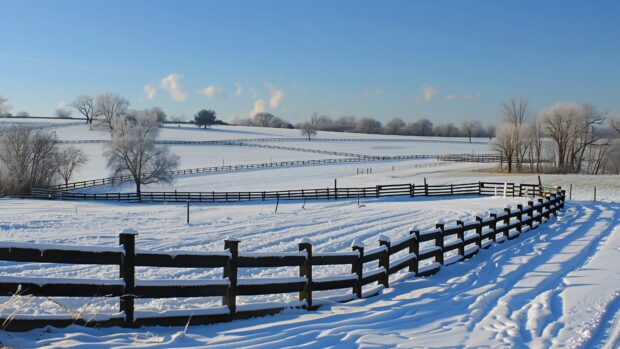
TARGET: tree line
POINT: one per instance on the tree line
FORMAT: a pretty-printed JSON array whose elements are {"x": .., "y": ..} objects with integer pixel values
[{"x": 563, "y": 138}]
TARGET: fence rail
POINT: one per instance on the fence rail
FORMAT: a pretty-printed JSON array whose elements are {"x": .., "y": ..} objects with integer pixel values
[
  {"x": 425, "y": 252},
  {"x": 327, "y": 193},
  {"x": 121, "y": 179}
]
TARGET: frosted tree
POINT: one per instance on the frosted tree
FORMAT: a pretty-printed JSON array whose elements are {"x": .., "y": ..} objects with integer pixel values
[
  {"x": 85, "y": 105},
  {"x": 68, "y": 161},
  {"x": 132, "y": 150},
  {"x": 111, "y": 106},
  {"x": 307, "y": 130}
]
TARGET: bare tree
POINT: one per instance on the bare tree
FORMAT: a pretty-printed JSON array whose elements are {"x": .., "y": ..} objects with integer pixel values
[
  {"x": 471, "y": 127},
  {"x": 263, "y": 119},
  {"x": 23, "y": 114},
  {"x": 63, "y": 113},
  {"x": 517, "y": 114},
  {"x": 26, "y": 159},
  {"x": 395, "y": 126},
  {"x": 132, "y": 151},
  {"x": 85, "y": 105},
  {"x": 307, "y": 130},
  {"x": 504, "y": 143},
  {"x": 367, "y": 125},
  {"x": 111, "y": 106},
  {"x": 422, "y": 127},
  {"x": 5, "y": 108},
  {"x": 68, "y": 161},
  {"x": 571, "y": 128},
  {"x": 491, "y": 129}
]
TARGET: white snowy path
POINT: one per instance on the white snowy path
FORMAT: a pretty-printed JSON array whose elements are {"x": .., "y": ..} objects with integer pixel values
[{"x": 558, "y": 286}]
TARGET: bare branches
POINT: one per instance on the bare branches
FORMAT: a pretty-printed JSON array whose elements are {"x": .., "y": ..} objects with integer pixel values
[
  {"x": 111, "y": 106},
  {"x": 307, "y": 130},
  {"x": 132, "y": 150},
  {"x": 85, "y": 105}
]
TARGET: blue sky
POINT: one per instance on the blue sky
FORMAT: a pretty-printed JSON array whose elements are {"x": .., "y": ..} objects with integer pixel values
[{"x": 445, "y": 60}]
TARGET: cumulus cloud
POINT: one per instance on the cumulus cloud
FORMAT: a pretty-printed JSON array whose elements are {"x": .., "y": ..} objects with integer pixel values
[
  {"x": 259, "y": 107},
  {"x": 238, "y": 89},
  {"x": 172, "y": 84},
  {"x": 427, "y": 93},
  {"x": 276, "y": 96},
  {"x": 212, "y": 91},
  {"x": 149, "y": 91},
  {"x": 465, "y": 97}
]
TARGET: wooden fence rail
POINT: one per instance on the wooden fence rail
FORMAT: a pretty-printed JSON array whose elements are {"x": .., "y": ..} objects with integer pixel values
[
  {"x": 122, "y": 179},
  {"x": 420, "y": 252},
  {"x": 377, "y": 191}
]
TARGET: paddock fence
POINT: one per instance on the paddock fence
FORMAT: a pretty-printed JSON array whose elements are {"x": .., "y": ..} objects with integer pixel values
[
  {"x": 230, "y": 168},
  {"x": 422, "y": 253},
  {"x": 328, "y": 193}
]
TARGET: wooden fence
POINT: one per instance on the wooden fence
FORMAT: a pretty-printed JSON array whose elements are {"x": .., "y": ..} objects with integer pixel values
[
  {"x": 121, "y": 179},
  {"x": 425, "y": 252},
  {"x": 335, "y": 193}
]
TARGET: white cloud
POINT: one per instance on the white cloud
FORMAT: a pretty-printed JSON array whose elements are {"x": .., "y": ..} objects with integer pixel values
[
  {"x": 212, "y": 91},
  {"x": 465, "y": 97},
  {"x": 259, "y": 107},
  {"x": 238, "y": 89},
  {"x": 427, "y": 93},
  {"x": 149, "y": 91},
  {"x": 276, "y": 96},
  {"x": 172, "y": 84},
  {"x": 60, "y": 105}
]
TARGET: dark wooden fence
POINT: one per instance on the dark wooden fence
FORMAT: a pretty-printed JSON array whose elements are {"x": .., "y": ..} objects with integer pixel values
[
  {"x": 425, "y": 252},
  {"x": 377, "y": 191},
  {"x": 121, "y": 179}
]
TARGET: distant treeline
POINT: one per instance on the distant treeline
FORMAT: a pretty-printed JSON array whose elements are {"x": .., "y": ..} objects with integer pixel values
[{"x": 396, "y": 126}]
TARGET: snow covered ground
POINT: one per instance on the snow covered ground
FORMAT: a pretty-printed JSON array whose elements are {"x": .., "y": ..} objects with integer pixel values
[{"x": 558, "y": 286}]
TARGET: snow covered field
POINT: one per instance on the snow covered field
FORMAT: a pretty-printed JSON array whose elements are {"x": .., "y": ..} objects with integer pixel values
[{"x": 558, "y": 286}]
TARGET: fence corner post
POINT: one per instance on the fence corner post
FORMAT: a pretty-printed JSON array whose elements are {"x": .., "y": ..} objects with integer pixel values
[
  {"x": 230, "y": 272},
  {"x": 305, "y": 270},
  {"x": 358, "y": 267},
  {"x": 127, "y": 239},
  {"x": 384, "y": 260}
]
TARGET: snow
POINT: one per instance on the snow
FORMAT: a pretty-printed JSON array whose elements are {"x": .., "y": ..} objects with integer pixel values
[{"x": 556, "y": 286}]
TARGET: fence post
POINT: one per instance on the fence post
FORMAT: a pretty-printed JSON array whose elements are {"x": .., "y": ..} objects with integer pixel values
[
  {"x": 540, "y": 210},
  {"x": 461, "y": 235},
  {"x": 384, "y": 260},
  {"x": 479, "y": 188},
  {"x": 358, "y": 267},
  {"x": 493, "y": 225},
  {"x": 520, "y": 218},
  {"x": 414, "y": 248},
  {"x": 439, "y": 240},
  {"x": 306, "y": 271},
  {"x": 411, "y": 190},
  {"x": 479, "y": 231},
  {"x": 530, "y": 212},
  {"x": 425, "y": 187},
  {"x": 127, "y": 239},
  {"x": 230, "y": 272},
  {"x": 507, "y": 210}
]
